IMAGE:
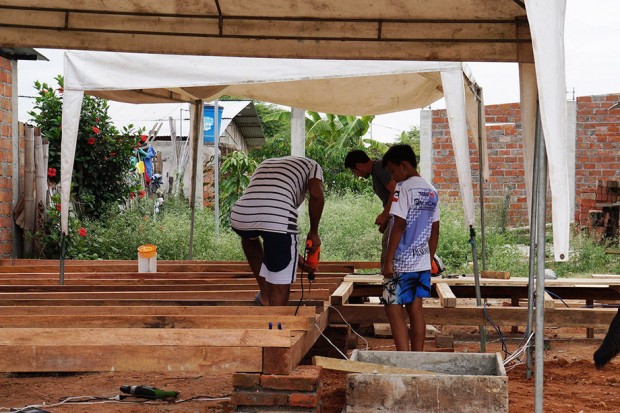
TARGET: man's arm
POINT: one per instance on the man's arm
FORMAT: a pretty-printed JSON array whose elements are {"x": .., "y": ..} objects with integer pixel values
[
  {"x": 315, "y": 209},
  {"x": 384, "y": 217}
]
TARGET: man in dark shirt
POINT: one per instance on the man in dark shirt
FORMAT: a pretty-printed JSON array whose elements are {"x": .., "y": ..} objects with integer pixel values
[{"x": 382, "y": 185}]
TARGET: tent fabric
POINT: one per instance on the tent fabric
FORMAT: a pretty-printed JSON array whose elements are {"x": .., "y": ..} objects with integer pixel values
[
  {"x": 547, "y": 25},
  {"x": 343, "y": 87}
]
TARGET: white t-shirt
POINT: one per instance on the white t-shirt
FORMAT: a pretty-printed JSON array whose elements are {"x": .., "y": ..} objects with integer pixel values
[
  {"x": 416, "y": 201},
  {"x": 277, "y": 188}
]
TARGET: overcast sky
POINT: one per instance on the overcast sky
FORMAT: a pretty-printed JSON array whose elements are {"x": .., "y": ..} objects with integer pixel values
[{"x": 592, "y": 43}]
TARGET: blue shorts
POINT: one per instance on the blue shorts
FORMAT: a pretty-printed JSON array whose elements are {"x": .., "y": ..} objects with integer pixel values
[{"x": 405, "y": 287}]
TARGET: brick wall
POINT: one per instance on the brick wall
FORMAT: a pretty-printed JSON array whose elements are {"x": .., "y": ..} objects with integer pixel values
[
  {"x": 597, "y": 151},
  {"x": 6, "y": 158},
  {"x": 597, "y": 157}
]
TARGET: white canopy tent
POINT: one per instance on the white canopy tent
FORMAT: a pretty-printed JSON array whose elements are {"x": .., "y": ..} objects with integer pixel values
[{"x": 343, "y": 87}]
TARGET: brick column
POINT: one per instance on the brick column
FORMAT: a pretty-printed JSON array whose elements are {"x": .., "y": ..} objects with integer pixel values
[
  {"x": 6, "y": 158},
  {"x": 299, "y": 391}
]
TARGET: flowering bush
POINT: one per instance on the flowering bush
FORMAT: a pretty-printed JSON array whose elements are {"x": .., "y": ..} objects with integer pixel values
[{"x": 102, "y": 158}]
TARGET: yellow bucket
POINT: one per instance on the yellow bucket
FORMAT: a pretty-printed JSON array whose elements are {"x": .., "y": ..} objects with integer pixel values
[{"x": 147, "y": 251}]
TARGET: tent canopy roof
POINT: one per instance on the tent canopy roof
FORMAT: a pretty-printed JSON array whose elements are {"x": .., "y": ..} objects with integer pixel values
[
  {"x": 342, "y": 87},
  {"x": 448, "y": 30}
]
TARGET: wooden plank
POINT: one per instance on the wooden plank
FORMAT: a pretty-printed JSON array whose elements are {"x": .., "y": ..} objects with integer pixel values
[
  {"x": 236, "y": 311},
  {"x": 548, "y": 302},
  {"x": 474, "y": 316},
  {"x": 498, "y": 275},
  {"x": 76, "y": 358},
  {"x": 150, "y": 288},
  {"x": 363, "y": 367},
  {"x": 612, "y": 276},
  {"x": 148, "y": 302},
  {"x": 446, "y": 296},
  {"x": 342, "y": 293},
  {"x": 148, "y": 337},
  {"x": 322, "y": 294},
  {"x": 284, "y": 360},
  {"x": 158, "y": 321}
]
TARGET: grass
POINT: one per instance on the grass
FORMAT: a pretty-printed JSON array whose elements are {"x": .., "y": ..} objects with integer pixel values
[{"x": 347, "y": 232}]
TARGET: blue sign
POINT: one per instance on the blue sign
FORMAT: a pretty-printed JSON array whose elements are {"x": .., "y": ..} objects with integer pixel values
[{"x": 209, "y": 123}]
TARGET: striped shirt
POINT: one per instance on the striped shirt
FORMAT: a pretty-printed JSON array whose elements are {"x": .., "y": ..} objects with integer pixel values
[{"x": 277, "y": 188}]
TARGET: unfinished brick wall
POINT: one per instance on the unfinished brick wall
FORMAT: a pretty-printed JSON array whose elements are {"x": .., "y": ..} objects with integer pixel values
[
  {"x": 597, "y": 157},
  {"x": 6, "y": 158},
  {"x": 597, "y": 152}
]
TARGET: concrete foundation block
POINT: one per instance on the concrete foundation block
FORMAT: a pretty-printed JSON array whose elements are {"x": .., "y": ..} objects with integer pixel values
[{"x": 465, "y": 382}]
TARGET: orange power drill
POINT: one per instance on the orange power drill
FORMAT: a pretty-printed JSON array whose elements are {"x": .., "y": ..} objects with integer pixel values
[{"x": 312, "y": 259}]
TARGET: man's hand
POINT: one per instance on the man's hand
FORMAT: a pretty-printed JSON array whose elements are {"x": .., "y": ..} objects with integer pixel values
[
  {"x": 382, "y": 221},
  {"x": 316, "y": 241}
]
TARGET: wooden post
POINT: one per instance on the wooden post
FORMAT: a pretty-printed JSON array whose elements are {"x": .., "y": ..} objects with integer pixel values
[{"x": 28, "y": 187}]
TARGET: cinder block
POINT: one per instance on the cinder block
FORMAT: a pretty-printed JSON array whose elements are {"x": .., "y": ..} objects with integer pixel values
[{"x": 465, "y": 383}]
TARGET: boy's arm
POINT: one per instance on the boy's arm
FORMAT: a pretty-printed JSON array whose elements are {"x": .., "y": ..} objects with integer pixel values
[
  {"x": 434, "y": 239},
  {"x": 398, "y": 229}
]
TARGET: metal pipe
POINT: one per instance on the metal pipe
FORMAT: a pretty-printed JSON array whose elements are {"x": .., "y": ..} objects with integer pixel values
[
  {"x": 472, "y": 241},
  {"x": 532, "y": 257},
  {"x": 481, "y": 179},
  {"x": 540, "y": 267},
  {"x": 216, "y": 157}
]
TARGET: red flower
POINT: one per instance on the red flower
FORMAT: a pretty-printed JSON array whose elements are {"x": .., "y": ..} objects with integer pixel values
[
  {"x": 51, "y": 172},
  {"x": 143, "y": 138},
  {"x": 58, "y": 207},
  {"x": 132, "y": 195},
  {"x": 112, "y": 154},
  {"x": 96, "y": 130},
  {"x": 82, "y": 232},
  {"x": 60, "y": 89},
  {"x": 141, "y": 193},
  {"x": 91, "y": 141}
]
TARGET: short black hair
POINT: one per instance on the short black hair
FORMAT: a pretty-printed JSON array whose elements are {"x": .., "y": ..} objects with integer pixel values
[
  {"x": 354, "y": 157},
  {"x": 398, "y": 154}
]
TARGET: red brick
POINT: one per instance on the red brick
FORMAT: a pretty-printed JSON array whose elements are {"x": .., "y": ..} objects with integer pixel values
[
  {"x": 308, "y": 400},
  {"x": 259, "y": 398},
  {"x": 246, "y": 379},
  {"x": 302, "y": 378}
]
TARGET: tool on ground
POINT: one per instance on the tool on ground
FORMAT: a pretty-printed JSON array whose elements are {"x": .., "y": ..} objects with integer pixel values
[
  {"x": 149, "y": 392},
  {"x": 312, "y": 259}
]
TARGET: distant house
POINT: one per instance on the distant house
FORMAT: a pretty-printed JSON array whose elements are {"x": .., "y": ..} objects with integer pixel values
[{"x": 241, "y": 130}]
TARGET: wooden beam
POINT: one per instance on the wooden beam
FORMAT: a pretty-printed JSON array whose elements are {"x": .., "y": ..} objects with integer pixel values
[
  {"x": 148, "y": 337},
  {"x": 363, "y": 367},
  {"x": 159, "y": 321},
  {"x": 446, "y": 296},
  {"x": 342, "y": 293},
  {"x": 474, "y": 316},
  {"x": 149, "y": 302},
  {"x": 231, "y": 311},
  {"x": 80, "y": 358},
  {"x": 284, "y": 360}
]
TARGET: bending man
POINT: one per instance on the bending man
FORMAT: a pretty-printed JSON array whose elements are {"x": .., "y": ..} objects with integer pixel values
[{"x": 267, "y": 210}]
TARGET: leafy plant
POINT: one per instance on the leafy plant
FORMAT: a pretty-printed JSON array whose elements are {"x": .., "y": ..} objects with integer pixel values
[
  {"x": 103, "y": 154},
  {"x": 236, "y": 169}
]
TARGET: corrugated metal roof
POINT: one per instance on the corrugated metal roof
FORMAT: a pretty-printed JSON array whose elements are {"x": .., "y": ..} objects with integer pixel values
[
  {"x": 241, "y": 112},
  {"x": 21, "y": 53}
]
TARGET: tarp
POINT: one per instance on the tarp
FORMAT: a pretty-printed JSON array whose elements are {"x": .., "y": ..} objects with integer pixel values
[{"x": 330, "y": 86}]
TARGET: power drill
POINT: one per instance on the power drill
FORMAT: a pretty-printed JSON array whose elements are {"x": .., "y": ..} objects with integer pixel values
[
  {"x": 312, "y": 259},
  {"x": 149, "y": 392}
]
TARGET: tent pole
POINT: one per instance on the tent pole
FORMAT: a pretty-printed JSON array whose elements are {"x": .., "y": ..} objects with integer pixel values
[
  {"x": 194, "y": 135},
  {"x": 541, "y": 204},
  {"x": 216, "y": 167},
  {"x": 481, "y": 178},
  {"x": 472, "y": 241},
  {"x": 532, "y": 257}
]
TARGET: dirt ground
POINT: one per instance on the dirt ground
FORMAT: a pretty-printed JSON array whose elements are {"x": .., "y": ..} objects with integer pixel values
[{"x": 572, "y": 384}]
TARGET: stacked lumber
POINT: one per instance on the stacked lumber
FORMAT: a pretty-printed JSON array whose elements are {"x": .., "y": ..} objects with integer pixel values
[{"x": 190, "y": 316}]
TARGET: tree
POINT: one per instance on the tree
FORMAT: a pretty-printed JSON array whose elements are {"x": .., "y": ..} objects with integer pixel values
[{"x": 102, "y": 154}]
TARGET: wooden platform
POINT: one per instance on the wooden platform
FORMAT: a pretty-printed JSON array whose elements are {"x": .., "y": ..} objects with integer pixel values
[{"x": 191, "y": 316}]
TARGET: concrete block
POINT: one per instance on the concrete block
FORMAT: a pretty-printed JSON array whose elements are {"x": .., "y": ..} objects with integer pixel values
[
  {"x": 466, "y": 382},
  {"x": 444, "y": 341}
]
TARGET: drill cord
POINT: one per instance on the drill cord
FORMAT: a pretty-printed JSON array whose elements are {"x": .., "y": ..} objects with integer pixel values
[{"x": 302, "y": 281}]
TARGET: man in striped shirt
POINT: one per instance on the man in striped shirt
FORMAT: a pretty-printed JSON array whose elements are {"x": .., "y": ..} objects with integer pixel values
[{"x": 267, "y": 210}]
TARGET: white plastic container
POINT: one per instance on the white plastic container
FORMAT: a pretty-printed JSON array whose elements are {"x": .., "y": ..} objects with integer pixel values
[{"x": 147, "y": 258}]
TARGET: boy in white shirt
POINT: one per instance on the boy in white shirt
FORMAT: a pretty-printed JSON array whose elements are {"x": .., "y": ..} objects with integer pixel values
[{"x": 413, "y": 241}]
